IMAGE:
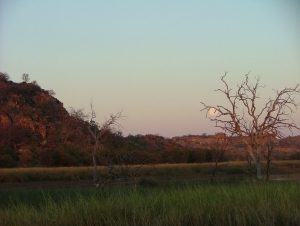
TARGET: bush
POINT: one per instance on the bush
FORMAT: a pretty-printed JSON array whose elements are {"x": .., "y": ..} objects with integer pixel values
[
  {"x": 26, "y": 158},
  {"x": 6, "y": 161},
  {"x": 295, "y": 156},
  {"x": 45, "y": 157},
  {"x": 8, "y": 157},
  {"x": 4, "y": 77}
]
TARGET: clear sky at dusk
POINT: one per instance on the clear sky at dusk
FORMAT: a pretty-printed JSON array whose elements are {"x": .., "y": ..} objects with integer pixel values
[{"x": 155, "y": 60}]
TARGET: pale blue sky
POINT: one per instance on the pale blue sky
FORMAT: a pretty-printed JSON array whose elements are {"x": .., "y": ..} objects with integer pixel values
[{"x": 155, "y": 60}]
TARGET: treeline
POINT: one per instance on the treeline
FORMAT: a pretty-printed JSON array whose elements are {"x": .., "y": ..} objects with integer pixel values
[
  {"x": 148, "y": 149},
  {"x": 142, "y": 149}
]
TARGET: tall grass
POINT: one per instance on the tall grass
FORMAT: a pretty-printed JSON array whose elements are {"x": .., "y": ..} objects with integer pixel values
[
  {"x": 274, "y": 203},
  {"x": 160, "y": 170},
  {"x": 45, "y": 174}
]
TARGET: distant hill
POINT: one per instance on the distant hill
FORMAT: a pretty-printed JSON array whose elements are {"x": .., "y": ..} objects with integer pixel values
[{"x": 236, "y": 149}]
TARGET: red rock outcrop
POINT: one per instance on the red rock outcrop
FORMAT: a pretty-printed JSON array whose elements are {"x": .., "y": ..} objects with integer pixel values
[{"x": 31, "y": 109}]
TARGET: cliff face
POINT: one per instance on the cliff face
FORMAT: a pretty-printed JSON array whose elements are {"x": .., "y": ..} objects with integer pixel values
[{"x": 27, "y": 111}]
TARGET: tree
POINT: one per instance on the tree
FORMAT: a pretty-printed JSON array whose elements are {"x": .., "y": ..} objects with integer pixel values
[
  {"x": 255, "y": 127},
  {"x": 4, "y": 77},
  {"x": 94, "y": 133},
  {"x": 51, "y": 92},
  {"x": 25, "y": 77}
]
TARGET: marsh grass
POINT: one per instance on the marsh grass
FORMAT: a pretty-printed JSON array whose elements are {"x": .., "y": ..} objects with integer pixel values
[{"x": 226, "y": 203}]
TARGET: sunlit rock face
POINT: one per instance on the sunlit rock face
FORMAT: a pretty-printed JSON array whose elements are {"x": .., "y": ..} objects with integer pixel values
[
  {"x": 27, "y": 111},
  {"x": 4, "y": 120}
]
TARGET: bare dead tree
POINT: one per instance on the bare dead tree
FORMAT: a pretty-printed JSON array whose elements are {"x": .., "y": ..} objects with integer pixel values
[
  {"x": 97, "y": 134},
  {"x": 94, "y": 133},
  {"x": 243, "y": 119}
]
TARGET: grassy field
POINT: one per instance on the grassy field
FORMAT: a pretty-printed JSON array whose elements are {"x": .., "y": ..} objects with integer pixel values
[
  {"x": 13, "y": 175},
  {"x": 226, "y": 203}
]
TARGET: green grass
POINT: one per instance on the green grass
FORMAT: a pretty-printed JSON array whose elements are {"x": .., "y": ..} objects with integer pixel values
[
  {"x": 161, "y": 170},
  {"x": 227, "y": 203}
]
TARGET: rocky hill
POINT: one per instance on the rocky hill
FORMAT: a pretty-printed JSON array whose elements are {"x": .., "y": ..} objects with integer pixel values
[{"x": 29, "y": 114}]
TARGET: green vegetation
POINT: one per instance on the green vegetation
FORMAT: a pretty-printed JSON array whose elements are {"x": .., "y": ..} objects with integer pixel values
[
  {"x": 273, "y": 203},
  {"x": 11, "y": 175}
]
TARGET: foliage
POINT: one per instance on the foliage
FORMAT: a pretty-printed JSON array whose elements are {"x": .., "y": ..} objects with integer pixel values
[
  {"x": 51, "y": 92},
  {"x": 8, "y": 157},
  {"x": 4, "y": 77},
  {"x": 70, "y": 155},
  {"x": 27, "y": 90},
  {"x": 25, "y": 77},
  {"x": 295, "y": 156},
  {"x": 26, "y": 158}
]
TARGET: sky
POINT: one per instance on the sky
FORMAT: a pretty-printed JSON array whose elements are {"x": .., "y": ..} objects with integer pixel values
[{"x": 153, "y": 60}]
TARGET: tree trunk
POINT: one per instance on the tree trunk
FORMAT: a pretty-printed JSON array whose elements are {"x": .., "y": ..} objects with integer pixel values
[
  {"x": 258, "y": 168},
  {"x": 257, "y": 161},
  {"x": 95, "y": 178}
]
